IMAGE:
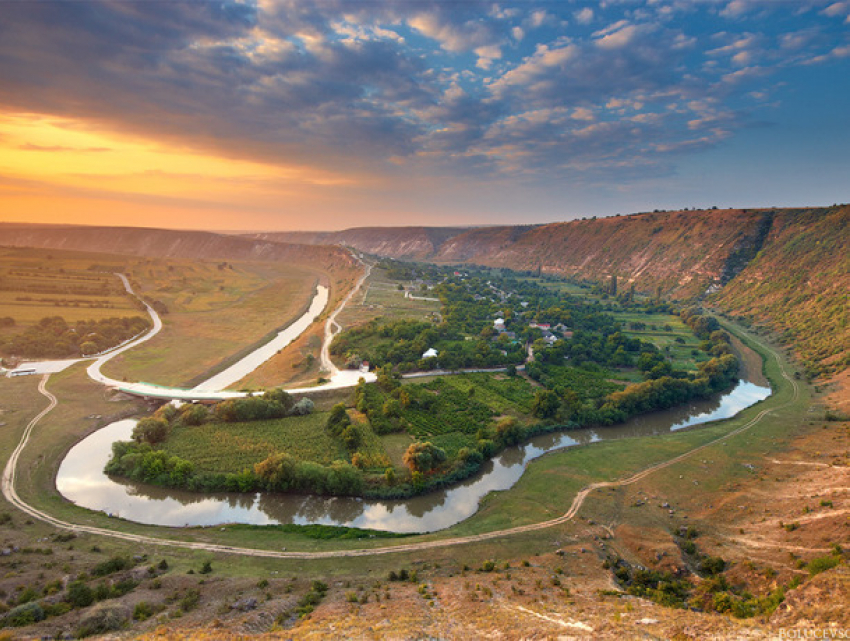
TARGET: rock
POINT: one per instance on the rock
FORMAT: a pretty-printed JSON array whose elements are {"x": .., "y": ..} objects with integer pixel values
[{"x": 245, "y": 605}]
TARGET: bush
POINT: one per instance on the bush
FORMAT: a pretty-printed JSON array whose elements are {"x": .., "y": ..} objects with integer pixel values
[
  {"x": 303, "y": 407},
  {"x": 80, "y": 595},
  {"x": 22, "y": 615},
  {"x": 712, "y": 565},
  {"x": 151, "y": 430},
  {"x": 115, "y": 564},
  {"x": 145, "y": 610},
  {"x": 190, "y": 600},
  {"x": 103, "y": 618},
  {"x": 822, "y": 564},
  {"x": 423, "y": 457}
]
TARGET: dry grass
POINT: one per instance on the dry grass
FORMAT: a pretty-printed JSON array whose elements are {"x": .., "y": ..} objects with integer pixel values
[{"x": 224, "y": 312}]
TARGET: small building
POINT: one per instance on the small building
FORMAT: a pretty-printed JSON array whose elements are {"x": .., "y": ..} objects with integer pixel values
[
  {"x": 364, "y": 367},
  {"x": 430, "y": 353},
  {"x": 499, "y": 324}
]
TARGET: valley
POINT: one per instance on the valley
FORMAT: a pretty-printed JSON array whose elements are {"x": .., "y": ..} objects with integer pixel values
[{"x": 529, "y": 550}]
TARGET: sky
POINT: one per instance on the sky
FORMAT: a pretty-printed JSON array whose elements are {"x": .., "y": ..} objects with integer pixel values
[{"x": 297, "y": 115}]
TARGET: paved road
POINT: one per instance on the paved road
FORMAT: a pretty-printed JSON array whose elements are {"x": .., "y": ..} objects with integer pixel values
[{"x": 9, "y": 492}]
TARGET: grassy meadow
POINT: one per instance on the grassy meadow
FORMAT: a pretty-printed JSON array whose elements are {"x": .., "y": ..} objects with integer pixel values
[
  {"x": 380, "y": 297},
  {"x": 215, "y": 311}
]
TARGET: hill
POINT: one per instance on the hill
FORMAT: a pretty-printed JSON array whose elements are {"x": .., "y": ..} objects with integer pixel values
[
  {"x": 788, "y": 268},
  {"x": 165, "y": 243},
  {"x": 683, "y": 252},
  {"x": 798, "y": 283},
  {"x": 408, "y": 243}
]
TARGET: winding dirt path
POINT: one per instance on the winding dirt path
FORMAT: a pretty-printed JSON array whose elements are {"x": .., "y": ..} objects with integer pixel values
[
  {"x": 8, "y": 487},
  {"x": 325, "y": 355}
]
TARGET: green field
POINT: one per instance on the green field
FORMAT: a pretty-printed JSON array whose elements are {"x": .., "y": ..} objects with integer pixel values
[
  {"x": 663, "y": 330},
  {"x": 233, "y": 447},
  {"x": 545, "y": 490}
]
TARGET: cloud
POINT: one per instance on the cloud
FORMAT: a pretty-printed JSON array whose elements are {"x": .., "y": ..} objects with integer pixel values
[
  {"x": 735, "y": 9},
  {"x": 414, "y": 88},
  {"x": 53, "y": 148},
  {"x": 584, "y": 16}
]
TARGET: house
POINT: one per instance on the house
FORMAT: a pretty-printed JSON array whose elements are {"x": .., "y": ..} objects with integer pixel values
[
  {"x": 430, "y": 353},
  {"x": 549, "y": 337},
  {"x": 543, "y": 326},
  {"x": 364, "y": 367},
  {"x": 499, "y": 324}
]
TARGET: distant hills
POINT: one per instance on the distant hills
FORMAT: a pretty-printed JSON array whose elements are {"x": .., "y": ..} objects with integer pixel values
[
  {"x": 166, "y": 243},
  {"x": 786, "y": 267}
]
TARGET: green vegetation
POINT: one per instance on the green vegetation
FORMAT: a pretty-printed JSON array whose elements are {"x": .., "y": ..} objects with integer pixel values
[{"x": 456, "y": 423}]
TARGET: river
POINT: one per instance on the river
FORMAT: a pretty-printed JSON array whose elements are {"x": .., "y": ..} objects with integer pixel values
[{"x": 81, "y": 479}]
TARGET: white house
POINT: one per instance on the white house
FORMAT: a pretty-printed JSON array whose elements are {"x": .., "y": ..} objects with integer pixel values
[
  {"x": 430, "y": 353},
  {"x": 499, "y": 324}
]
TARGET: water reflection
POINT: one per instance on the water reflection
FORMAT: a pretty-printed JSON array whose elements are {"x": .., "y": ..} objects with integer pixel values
[{"x": 81, "y": 480}]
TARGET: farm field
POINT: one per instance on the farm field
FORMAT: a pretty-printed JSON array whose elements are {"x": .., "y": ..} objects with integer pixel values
[
  {"x": 299, "y": 363},
  {"x": 215, "y": 312},
  {"x": 233, "y": 447},
  {"x": 381, "y": 298},
  {"x": 36, "y": 283}
]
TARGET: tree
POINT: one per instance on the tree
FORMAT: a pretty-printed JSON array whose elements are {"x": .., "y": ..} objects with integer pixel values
[
  {"x": 423, "y": 457},
  {"x": 338, "y": 419},
  {"x": 508, "y": 431},
  {"x": 545, "y": 404},
  {"x": 276, "y": 471},
  {"x": 150, "y": 430},
  {"x": 303, "y": 407},
  {"x": 194, "y": 414}
]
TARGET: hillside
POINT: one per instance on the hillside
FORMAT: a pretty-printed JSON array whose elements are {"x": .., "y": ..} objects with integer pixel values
[
  {"x": 408, "y": 243},
  {"x": 683, "y": 252},
  {"x": 799, "y": 283},
  {"x": 166, "y": 243}
]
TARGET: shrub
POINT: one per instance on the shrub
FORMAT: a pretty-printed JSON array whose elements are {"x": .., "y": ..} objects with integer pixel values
[
  {"x": 822, "y": 564},
  {"x": 712, "y": 565},
  {"x": 103, "y": 618},
  {"x": 79, "y": 594},
  {"x": 302, "y": 407},
  {"x": 115, "y": 564},
  {"x": 190, "y": 600},
  {"x": 151, "y": 430},
  {"x": 25, "y": 614},
  {"x": 423, "y": 457}
]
